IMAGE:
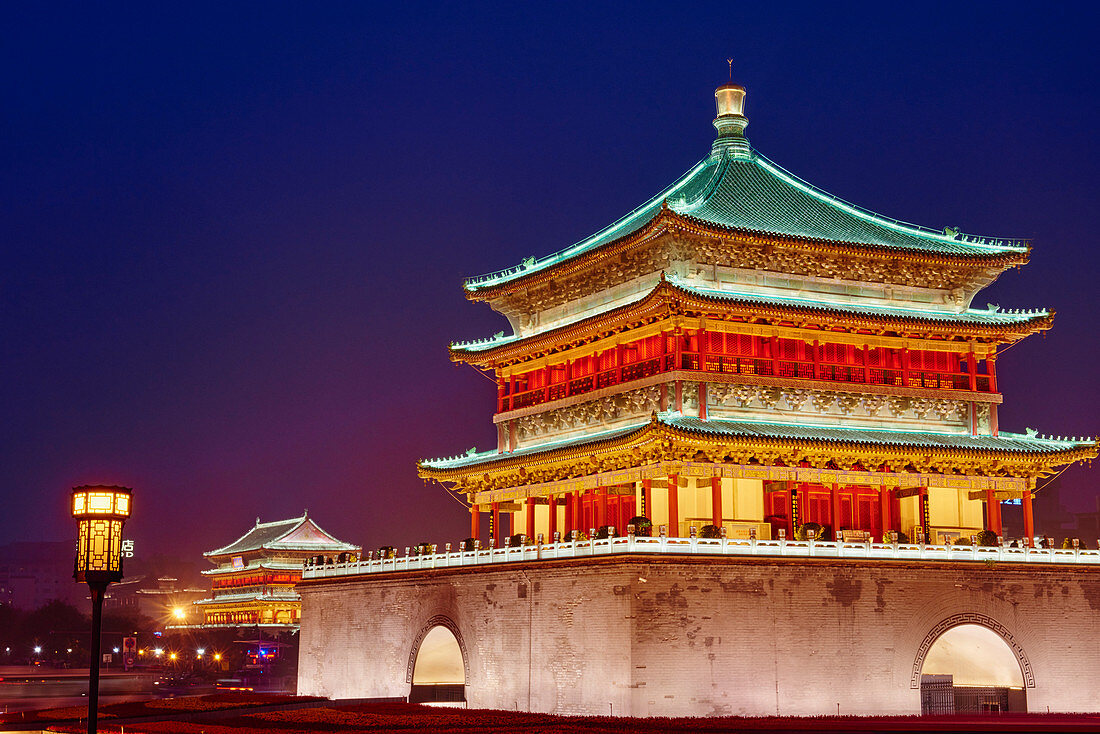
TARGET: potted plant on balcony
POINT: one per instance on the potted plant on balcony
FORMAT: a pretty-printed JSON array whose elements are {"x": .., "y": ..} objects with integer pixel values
[
  {"x": 987, "y": 538},
  {"x": 710, "y": 531},
  {"x": 802, "y": 531},
  {"x": 643, "y": 526}
]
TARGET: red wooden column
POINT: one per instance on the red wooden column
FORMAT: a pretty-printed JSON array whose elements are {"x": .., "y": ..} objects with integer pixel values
[
  {"x": 884, "y": 510},
  {"x": 647, "y": 499},
  {"x": 475, "y": 523},
  {"x": 991, "y": 368},
  {"x": 673, "y": 505},
  {"x": 546, "y": 385},
  {"x": 992, "y": 512},
  {"x": 553, "y": 518},
  {"x": 494, "y": 524},
  {"x": 905, "y": 368},
  {"x": 1029, "y": 519},
  {"x": 716, "y": 500},
  {"x": 701, "y": 337},
  {"x": 601, "y": 509},
  {"x": 529, "y": 505},
  {"x": 570, "y": 523},
  {"x": 972, "y": 370},
  {"x": 834, "y": 496}
]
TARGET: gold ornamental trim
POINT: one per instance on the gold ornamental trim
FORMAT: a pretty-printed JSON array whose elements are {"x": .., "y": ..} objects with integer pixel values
[
  {"x": 668, "y": 221},
  {"x": 668, "y": 305},
  {"x": 659, "y": 443}
]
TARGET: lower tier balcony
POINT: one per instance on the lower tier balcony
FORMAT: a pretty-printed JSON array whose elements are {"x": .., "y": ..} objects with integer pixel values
[{"x": 665, "y": 546}]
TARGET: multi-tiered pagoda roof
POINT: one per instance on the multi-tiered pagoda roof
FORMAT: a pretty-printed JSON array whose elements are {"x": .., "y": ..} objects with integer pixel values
[
  {"x": 697, "y": 329},
  {"x": 254, "y": 578},
  {"x": 750, "y": 195}
]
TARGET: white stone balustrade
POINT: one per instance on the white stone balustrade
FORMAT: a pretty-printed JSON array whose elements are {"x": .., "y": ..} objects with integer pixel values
[{"x": 708, "y": 547}]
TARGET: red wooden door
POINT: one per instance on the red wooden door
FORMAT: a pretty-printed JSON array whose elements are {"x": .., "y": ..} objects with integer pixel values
[
  {"x": 870, "y": 514},
  {"x": 779, "y": 504},
  {"x": 819, "y": 507}
]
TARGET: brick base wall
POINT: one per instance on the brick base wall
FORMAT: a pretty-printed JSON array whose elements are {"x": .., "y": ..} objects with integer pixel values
[{"x": 647, "y": 636}]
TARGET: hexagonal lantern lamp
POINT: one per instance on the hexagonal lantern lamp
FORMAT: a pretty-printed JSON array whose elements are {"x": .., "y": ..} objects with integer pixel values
[{"x": 100, "y": 512}]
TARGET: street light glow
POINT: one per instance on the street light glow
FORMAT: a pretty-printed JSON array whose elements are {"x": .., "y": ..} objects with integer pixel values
[
  {"x": 158, "y": 652},
  {"x": 179, "y": 613},
  {"x": 37, "y": 649},
  {"x": 217, "y": 656}
]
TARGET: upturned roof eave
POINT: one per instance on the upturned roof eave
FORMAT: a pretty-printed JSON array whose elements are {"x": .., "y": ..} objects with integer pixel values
[
  {"x": 657, "y": 428},
  {"x": 1003, "y": 260},
  {"x": 645, "y": 306},
  {"x": 230, "y": 549},
  {"x": 291, "y": 524}
]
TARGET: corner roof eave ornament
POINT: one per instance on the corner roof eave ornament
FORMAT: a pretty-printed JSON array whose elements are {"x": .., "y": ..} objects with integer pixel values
[
  {"x": 666, "y": 294},
  {"x": 1045, "y": 450},
  {"x": 668, "y": 220}
]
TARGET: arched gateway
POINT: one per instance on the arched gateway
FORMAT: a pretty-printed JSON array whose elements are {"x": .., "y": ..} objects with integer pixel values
[
  {"x": 438, "y": 668},
  {"x": 970, "y": 663}
]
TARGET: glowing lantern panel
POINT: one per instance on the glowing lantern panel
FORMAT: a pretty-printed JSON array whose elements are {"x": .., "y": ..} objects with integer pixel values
[{"x": 100, "y": 513}]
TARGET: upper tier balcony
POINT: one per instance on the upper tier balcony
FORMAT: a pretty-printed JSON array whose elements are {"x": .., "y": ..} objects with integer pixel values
[{"x": 796, "y": 371}]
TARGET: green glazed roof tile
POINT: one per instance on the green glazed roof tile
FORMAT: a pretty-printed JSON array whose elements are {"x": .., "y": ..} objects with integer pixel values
[
  {"x": 752, "y": 193},
  {"x": 1021, "y": 443},
  {"x": 992, "y": 315}
]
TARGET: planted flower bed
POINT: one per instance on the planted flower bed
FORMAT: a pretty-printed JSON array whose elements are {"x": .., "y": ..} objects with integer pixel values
[
  {"x": 156, "y": 707},
  {"x": 401, "y": 717}
]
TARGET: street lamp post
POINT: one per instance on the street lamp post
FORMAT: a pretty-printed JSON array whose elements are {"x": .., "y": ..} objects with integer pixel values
[{"x": 100, "y": 512}]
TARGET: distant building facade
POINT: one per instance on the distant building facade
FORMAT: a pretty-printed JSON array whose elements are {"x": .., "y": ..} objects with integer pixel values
[
  {"x": 253, "y": 583},
  {"x": 33, "y": 574}
]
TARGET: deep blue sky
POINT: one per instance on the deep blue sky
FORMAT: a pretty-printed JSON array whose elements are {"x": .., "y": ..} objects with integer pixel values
[{"x": 233, "y": 235}]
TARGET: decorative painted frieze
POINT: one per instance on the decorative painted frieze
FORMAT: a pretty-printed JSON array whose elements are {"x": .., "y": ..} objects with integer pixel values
[
  {"x": 757, "y": 402},
  {"x": 588, "y": 417}
]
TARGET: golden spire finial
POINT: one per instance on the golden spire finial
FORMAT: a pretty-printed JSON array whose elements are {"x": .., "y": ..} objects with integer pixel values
[{"x": 730, "y": 62}]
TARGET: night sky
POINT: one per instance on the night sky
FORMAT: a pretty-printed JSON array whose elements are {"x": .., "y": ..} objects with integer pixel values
[{"x": 233, "y": 236}]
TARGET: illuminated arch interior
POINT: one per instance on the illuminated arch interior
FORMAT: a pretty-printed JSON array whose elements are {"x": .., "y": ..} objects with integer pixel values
[
  {"x": 439, "y": 660},
  {"x": 975, "y": 656}
]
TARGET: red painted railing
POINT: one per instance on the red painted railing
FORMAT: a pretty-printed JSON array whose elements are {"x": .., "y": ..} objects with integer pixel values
[{"x": 796, "y": 370}]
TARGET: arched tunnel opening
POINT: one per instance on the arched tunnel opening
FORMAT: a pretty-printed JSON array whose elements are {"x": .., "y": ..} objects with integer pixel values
[
  {"x": 439, "y": 674},
  {"x": 971, "y": 669}
]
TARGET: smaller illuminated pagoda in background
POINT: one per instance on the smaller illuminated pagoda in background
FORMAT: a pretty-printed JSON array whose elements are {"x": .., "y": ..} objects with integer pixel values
[
  {"x": 747, "y": 351},
  {"x": 253, "y": 583}
]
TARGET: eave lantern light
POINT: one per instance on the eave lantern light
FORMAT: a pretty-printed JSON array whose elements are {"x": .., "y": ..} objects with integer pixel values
[{"x": 100, "y": 512}]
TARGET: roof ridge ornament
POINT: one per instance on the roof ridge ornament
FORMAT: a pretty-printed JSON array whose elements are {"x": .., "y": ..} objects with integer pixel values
[{"x": 729, "y": 99}]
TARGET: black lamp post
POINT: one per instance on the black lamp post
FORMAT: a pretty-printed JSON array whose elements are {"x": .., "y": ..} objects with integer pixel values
[{"x": 100, "y": 513}]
